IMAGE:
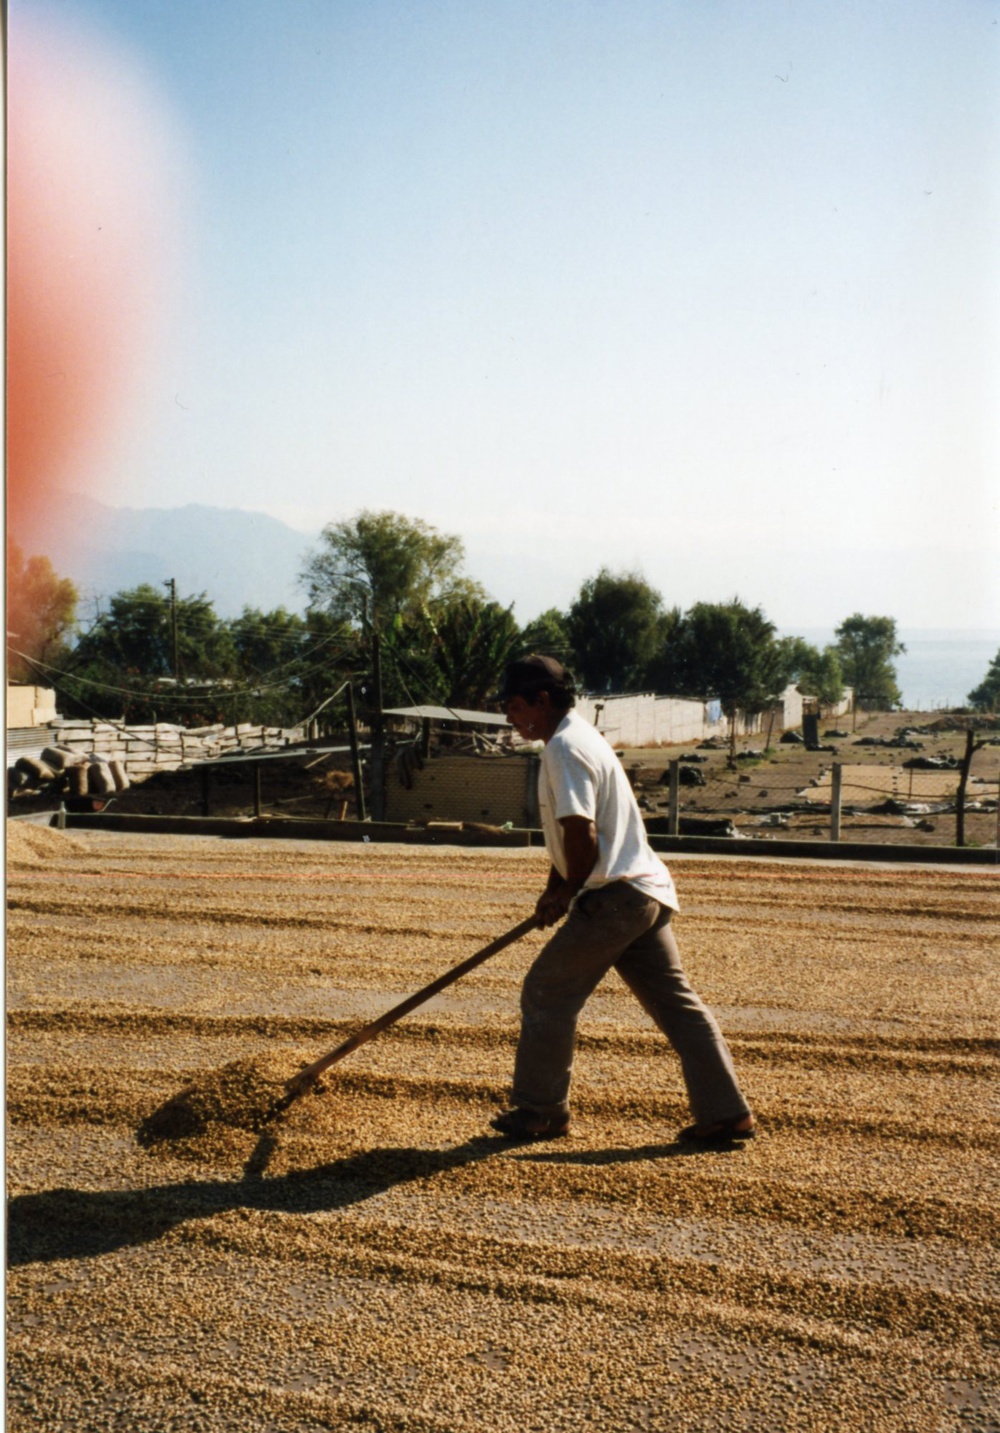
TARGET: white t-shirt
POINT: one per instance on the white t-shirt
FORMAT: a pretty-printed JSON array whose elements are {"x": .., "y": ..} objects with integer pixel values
[{"x": 581, "y": 776}]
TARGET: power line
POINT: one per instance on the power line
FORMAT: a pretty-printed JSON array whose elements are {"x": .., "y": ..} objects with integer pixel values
[
  {"x": 232, "y": 625},
  {"x": 145, "y": 693},
  {"x": 299, "y": 658},
  {"x": 420, "y": 682}
]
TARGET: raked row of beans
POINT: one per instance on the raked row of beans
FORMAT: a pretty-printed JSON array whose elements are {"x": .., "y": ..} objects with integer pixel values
[{"x": 374, "y": 1258}]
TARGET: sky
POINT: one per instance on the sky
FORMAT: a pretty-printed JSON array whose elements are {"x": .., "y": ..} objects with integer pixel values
[{"x": 703, "y": 289}]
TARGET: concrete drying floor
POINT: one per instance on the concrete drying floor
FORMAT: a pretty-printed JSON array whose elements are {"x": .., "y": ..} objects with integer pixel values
[{"x": 381, "y": 1261}]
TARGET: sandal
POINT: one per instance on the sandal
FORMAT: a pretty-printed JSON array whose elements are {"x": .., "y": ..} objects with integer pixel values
[
  {"x": 722, "y": 1132},
  {"x": 522, "y": 1124}
]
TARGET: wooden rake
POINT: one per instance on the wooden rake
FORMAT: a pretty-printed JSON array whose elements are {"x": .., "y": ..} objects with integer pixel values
[{"x": 306, "y": 1078}]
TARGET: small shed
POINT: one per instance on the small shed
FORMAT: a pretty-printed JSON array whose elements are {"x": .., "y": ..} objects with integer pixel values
[{"x": 481, "y": 779}]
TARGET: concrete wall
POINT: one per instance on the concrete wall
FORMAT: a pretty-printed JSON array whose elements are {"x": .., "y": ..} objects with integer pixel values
[
  {"x": 646, "y": 720},
  {"x": 488, "y": 789},
  {"x": 30, "y": 706},
  {"x": 649, "y": 720},
  {"x": 789, "y": 711},
  {"x": 845, "y": 705},
  {"x": 830, "y": 711}
]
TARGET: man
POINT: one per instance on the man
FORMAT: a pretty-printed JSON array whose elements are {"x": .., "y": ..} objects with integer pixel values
[{"x": 619, "y": 897}]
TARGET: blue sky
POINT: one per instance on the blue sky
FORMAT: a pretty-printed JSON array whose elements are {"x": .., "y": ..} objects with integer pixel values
[{"x": 700, "y": 288}]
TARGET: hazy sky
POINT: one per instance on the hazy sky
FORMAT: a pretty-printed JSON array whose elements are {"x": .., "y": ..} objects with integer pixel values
[{"x": 704, "y": 288}]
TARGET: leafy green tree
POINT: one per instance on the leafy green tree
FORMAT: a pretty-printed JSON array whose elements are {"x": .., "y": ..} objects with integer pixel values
[
  {"x": 41, "y": 615},
  {"x": 661, "y": 669},
  {"x": 289, "y": 666},
  {"x": 135, "y": 636},
  {"x": 615, "y": 628},
  {"x": 866, "y": 647},
  {"x": 729, "y": 651},
  {"x": 548, "y": 634},
  {"x": 986, "y": 697},
  {"x": 472, "y": 641},
  {"x": 335, "y": 652},
  {"x": 266, "y": 643},
  {"x": 379, "y": 565},
  {"x": 123, "y": 666},
  {"x": 816, "y": 673}
]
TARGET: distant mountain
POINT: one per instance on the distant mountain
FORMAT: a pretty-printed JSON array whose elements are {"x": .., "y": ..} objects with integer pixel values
[{"x": 238, "y": 559}]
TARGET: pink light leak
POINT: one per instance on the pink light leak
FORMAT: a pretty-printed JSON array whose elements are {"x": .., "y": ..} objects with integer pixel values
[{"x": 91, "y": 243}]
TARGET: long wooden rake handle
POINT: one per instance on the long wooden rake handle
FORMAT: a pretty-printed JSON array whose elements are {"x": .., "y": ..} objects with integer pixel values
[{"x": 311, "y": 1074}]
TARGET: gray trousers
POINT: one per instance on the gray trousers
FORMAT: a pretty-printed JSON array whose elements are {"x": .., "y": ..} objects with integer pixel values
[{"x": 617, "y": 925}]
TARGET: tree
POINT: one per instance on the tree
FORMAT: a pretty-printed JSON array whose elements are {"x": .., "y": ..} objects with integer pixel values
[
  {"x": 986, "y": 697},
  {"x": 615, "y": 627},
  {"x": 124, "y": 664},
  {"x": 472, "y": 641},
  {"x": 41, "y": 615},
  {"x": 816, "y": 673},
  {"x": 866, "y": 647},
  {"x": 266, "y": 643},
  {"x": 288, "y": 666},
  {"x": 728, "y": 651},
  {"x": 135, "y": 636},
  {"x": 548, "y": 633},
  {"x": 661, "y": 669},
  {"x": 384, "y": 564}
]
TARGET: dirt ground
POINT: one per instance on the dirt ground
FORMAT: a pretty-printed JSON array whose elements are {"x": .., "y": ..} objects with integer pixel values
[
  {"x": 785, "y": 792},
  {"x": 376, "y": 1259}
]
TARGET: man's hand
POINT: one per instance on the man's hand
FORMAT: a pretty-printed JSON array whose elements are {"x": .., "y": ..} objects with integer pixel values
[{"x": 553, "y": 903}]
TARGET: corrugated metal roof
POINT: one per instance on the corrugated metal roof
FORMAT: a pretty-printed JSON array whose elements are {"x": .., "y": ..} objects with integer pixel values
[
  {"x": 29, "y": 740},
  {"x": 284, "y": 753},
  {"x": 449, "y": 714}
]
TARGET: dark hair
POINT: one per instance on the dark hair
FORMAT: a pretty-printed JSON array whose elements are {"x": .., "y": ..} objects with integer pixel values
[{"x": 533, "y": 675}]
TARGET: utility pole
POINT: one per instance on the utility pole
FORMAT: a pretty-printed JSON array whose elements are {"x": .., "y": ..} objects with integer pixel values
[
  {"x": 965, "y": 766},
  {"x": 836, "y": 790},
  {"x": 378, "y": 733},
  {"x": 171, "y": 582},
  {"x": 376, "y": 764},
  {"x": 674, "y": 809},
  {"x": 352, "y": 721}
]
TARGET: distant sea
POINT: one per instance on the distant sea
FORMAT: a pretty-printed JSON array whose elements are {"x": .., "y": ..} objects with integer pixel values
[{"x": 938, "y": 669}]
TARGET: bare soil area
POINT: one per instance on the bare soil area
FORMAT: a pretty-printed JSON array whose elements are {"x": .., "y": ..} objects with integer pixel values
[
  {"x": 785, "y": 791},
  {"x": 378, "y": 1260}
]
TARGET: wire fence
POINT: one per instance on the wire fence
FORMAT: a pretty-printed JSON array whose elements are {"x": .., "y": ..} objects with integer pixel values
[{"x": 845, "y": 801}]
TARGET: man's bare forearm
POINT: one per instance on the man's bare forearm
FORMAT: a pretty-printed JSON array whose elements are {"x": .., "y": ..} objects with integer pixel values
[
  {"x": 581, "y": 849},
  {"x": 581, "y": 857}
]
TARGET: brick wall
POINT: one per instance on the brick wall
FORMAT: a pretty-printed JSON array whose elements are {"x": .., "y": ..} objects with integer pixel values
[{"x": 490, "y": 789}]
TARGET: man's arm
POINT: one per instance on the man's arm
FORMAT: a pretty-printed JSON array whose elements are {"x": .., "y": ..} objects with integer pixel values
[{"x": 580, "y": 835}]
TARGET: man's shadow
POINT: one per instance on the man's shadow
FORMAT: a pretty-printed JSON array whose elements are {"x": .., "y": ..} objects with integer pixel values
[{"x": 82, "y": 1224}]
